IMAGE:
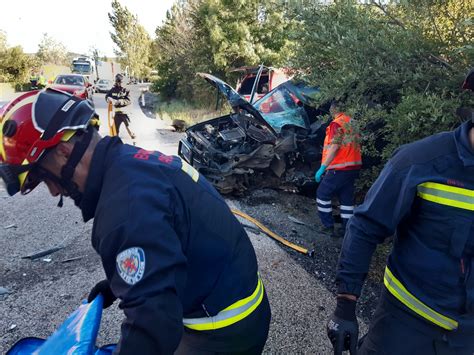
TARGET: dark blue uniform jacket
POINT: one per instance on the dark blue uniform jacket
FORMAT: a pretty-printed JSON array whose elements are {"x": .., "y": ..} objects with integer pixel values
[
  {"x": 169, "y": 244},
  {"x": 425, "y": 197}
]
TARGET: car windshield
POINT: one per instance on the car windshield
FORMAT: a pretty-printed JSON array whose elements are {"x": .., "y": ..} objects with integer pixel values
[
  {"x": 81, "y": 67},
  {"x": 103, "y": 81},
  {"x": 70, "y": 80},
  {"x": 282, "y": 107}
]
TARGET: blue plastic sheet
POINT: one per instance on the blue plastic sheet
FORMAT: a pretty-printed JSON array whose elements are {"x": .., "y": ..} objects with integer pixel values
[{"x": 76, "y": 336}]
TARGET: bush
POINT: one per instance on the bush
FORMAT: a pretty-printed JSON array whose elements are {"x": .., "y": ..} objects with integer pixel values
[{"x": 398, "y": 74}]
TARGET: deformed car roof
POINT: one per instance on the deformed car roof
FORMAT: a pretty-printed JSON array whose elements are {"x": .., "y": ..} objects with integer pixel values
[{"x": 286, "y": 95}]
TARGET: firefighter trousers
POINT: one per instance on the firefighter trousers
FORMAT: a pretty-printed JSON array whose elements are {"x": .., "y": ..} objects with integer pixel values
[
  {"x": 340, "y": 184},
  {"x": 395, "y": 331}
]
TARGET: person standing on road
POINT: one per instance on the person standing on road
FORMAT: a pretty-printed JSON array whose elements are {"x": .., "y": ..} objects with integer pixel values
[
  {"x": 425, "y": 197},
  {"x": 120, "y": 98},
  {"x": 340, "y": 166},
  {"x": 172, "y": 251}
]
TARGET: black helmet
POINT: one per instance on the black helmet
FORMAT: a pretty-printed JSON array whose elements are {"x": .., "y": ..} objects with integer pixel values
[{"x": 118, "y": 78}]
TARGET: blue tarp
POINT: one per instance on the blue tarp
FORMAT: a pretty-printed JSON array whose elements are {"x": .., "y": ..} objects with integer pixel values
[{"x": 76, "y": 336}]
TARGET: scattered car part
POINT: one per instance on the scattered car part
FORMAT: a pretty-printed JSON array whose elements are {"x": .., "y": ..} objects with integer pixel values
[
  {"x": 73, "y": 259},
  {"x": 272, "y": 234},
  {"x": 296, "y": 220},
  {"x": 42, "y": 253}
]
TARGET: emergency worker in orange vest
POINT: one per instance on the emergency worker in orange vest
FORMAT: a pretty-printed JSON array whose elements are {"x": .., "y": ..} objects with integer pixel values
[{"x": 340, "y": 164}]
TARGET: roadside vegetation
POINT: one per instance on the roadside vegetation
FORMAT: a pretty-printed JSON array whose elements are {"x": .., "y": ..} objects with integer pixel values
[{"x": 396, "y": 65}]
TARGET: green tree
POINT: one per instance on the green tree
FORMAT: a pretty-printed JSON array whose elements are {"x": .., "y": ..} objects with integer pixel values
[
  {"x": 51, "y": 51},
  {"x": 15, "y": 65},
  {"x": 396, "y": 70},
  {"x": 3, "y": 41},
  {"x": 131, "y": 39},
  {"x": 215, "y": 36}
]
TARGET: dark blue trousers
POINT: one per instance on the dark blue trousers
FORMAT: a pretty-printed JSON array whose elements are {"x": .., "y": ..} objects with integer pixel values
[
  {"x": 340, "y": 184},
  {"x": 395, "y": 331}
]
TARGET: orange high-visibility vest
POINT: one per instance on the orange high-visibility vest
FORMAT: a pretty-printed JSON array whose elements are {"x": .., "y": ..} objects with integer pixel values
[{"x": 349, "y": 153}]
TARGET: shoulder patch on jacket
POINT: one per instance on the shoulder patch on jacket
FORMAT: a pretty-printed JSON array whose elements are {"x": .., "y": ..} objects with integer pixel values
[{"x": 131, "y": 265}]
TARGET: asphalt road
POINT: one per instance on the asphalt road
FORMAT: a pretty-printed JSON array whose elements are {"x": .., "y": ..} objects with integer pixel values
[{"x": 43, "y": 292}]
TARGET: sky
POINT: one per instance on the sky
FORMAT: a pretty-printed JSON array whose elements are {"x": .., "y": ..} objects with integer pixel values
[{"x": 79, "y": 24}]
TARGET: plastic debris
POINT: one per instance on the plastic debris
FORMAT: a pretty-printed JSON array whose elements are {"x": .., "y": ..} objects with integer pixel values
[
  {"x": 4, "y": 291},
  {"x": 10, "y": 226},
  {"x": 12, "y": 327},
  {"x": 42, "y": 253},
  {"x": 47, "y": 260},
  {"x": 296, "y": 220},
  {"x": 73, "y": 259}
]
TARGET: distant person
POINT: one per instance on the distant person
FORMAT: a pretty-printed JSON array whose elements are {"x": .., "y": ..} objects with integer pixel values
[
  {"x": 181, "y": 264},
  {"x": 120, "y": 98},
  {"x": 340, "y": 165}
]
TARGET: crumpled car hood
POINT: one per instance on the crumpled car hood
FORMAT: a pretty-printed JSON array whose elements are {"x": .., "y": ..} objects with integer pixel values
[{"x": 234, "y": 99}]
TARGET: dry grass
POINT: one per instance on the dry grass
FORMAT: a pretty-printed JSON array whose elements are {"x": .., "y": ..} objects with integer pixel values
[{"x": 190, "y": 114}]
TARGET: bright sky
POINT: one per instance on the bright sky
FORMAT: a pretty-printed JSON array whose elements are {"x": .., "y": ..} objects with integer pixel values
[{"x": 78, "y": 24}]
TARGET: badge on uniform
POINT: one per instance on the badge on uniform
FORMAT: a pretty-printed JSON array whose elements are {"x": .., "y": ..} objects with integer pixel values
[{"x": 131, "y": 265}]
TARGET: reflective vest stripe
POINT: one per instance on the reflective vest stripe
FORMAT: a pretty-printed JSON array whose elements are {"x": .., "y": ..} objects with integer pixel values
[
  {"x": 232, "y": 314},
  {"x": 447, "y": 195},
  {"x": 188, "y": 169},
  {"x": 343, "y": 165},
  {"x": 403, "y": 295}
]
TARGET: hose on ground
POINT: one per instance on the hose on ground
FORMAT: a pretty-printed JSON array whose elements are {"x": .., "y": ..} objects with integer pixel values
[{"x": 272, "y": 234}]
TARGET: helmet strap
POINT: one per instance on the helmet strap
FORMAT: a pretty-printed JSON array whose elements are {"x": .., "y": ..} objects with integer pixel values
[{"x": 67, "y": 171}]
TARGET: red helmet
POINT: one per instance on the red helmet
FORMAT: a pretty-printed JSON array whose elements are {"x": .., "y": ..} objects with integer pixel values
[{"x": 33, "y": 123}]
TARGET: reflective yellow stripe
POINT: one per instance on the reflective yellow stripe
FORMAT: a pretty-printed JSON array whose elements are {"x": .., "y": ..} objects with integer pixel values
[
  {"x": 447, "y": 195},
  {"x": 232, "y": 314},
  {"x": 188, "y": 169},
  {"x": 403, "y": 295}
]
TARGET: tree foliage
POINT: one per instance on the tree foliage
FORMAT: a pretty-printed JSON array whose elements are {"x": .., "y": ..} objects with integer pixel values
[
  {"x": 51, "y": 51},
  {"x": 132, "y": 40},
  {"x": 397, "y": 66},
  {"x": 15, "y": 65},
  {"x": 214, "y": 36}
]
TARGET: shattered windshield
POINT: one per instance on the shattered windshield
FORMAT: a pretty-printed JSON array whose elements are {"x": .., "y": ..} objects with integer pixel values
[{"x": 282, "y": 107}]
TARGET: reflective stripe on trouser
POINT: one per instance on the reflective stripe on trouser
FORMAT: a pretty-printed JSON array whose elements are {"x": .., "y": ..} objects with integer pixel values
[
  {"x": 232, "y": 314},
  {"x": 447, "y": 195},
  {"x": 340, "y": 184},
  {"x": 347, "y": 212},
  {"x": 396, "y": 288}
]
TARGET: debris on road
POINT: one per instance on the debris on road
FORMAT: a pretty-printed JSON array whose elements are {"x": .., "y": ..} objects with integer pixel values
[
  {"x": 42, "y": 253},
  {"x": 272, "y": 234},
  {"x": 10, "y": 226},
  {"x": 4, "y": 291},
  {"x": 73, "y": 259},
  {"x": 47, "y": 260},
  {"x": 296, "y": 220},
  {"x": 12, "y": 327}
]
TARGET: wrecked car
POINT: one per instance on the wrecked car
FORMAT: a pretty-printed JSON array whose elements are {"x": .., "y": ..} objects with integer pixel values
[
  {"x": 275, "y": 142},
  {"x": 269, "y": 78}
]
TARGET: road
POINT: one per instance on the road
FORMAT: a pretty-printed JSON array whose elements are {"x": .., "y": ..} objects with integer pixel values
[{"x": 45, "y": 291}]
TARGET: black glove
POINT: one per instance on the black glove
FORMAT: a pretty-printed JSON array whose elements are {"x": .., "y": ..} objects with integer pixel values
[
  {"x": 103, "y": 288},
  {"x": 342, "y": 327}
]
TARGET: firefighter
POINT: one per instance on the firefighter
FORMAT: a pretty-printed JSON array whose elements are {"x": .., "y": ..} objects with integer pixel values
[
  {"x": 425, "y": 197},
  {"x": 120, "y": 98},
  {"x": 340, "y": 166},
  {"x": 174, "y": 254}
]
